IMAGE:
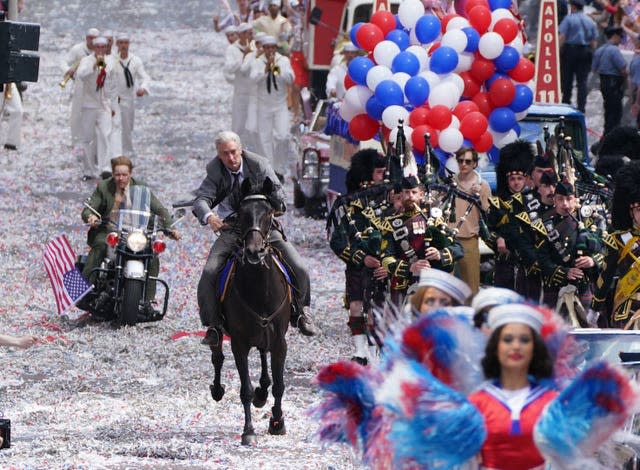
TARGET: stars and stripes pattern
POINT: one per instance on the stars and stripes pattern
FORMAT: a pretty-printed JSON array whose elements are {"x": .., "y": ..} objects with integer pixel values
[{"x": 66, "y": 280}]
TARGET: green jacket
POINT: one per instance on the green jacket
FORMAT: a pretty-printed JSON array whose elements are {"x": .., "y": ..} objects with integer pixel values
[{"x": 102, "y": 201}]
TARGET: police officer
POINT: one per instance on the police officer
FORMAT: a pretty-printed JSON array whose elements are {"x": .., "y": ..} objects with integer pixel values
[
  {"x": 609, "y": 63},
  {"x": 578, "y": 36}
]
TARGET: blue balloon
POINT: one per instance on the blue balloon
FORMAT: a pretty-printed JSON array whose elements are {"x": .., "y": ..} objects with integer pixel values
[
  {"x": 467, "y": 143},
  {"x": 522, "y": 99},
  {"x": 494, "y": 154},
  {"x": 406, "y": 62},
  {"x": 352, "y": 33},
  {"x": 399, "y": 25},
  {"x": 374, "y": 108},
  {"x": 416, "y": 90},
  {"x": 517, "y": 128},
  {"x": 443, "y": 60},
  {"x": 495, "y": 76},
  {"x": 442, "y": 156},
  {"x": 495, "y": 4},
  {"x": 502, "y": 119},
  {"x": 508, "y": 59},
  {"x": 389, "y": 93},
  {"x": 399, "y": 37},
  {"x": 427, "y": 28},
  {"x": 419, "y": 157},
  {"x": 473, "y": 39},
  {"x": 358, "y": 69}
]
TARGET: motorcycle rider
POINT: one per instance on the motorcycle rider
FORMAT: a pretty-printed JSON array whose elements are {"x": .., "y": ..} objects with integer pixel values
[
  {"x": 220, "y": 189},
  {"x": 109, "y": 197}
]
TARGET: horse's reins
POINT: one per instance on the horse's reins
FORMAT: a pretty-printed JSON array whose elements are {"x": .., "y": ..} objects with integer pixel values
[
  {"x": 265, "y": 237},
  {"x": 263, "y": 321}
]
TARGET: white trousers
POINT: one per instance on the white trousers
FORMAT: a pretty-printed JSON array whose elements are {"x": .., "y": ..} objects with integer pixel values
[
  {"x": 13, "y": 109},
  {"x": 75, "y": 118},
  {"x": 96, "y": 128},
  {"x": 127, "y": 116},
  {"x": 273, "y": 134}
]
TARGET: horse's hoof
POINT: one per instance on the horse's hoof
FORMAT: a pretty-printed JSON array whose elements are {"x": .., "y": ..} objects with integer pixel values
[
  {"x": 276, "y": 427},
  {"x": 259, "y": 397},
  {"x": 249, "y": 439},
  {"x": 217, "y": 392}
]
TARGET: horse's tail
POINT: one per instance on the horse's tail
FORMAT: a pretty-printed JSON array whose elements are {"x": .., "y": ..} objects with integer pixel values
[{"x": 346, "y": 411}]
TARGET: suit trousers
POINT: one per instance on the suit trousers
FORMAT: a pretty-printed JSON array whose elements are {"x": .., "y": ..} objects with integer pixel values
[{"x": 468, "y": 266}]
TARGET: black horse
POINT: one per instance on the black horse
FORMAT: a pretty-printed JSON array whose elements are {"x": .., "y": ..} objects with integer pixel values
[{"x": 257, "y": 310}]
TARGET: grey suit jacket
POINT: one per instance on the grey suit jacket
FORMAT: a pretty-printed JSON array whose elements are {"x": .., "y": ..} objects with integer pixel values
[{"x": 215, "y": 187}]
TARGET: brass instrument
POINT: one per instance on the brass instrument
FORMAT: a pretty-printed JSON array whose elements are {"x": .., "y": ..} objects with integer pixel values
[
  {"x": 275, "y": 69},
  {"x": 7, "y": 91},
  {"x": 65, "y": 80},
  {"x": 100, "y": 63}
]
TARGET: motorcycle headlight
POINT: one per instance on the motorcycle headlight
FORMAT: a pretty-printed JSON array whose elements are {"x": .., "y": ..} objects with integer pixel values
[{"x": 137, "y": 241}]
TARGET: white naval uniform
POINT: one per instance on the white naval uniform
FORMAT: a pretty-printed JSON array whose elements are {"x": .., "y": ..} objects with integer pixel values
[
  {"x": 97, "y": 106},
  {"x": 273, "y": 113},
  {"x": 239, "y": 78},
  {"x": 72, "y": 59},
  {"x": 14, "y": 110},
  {"x": 335, "y": 80},
  {"x": 122, "y": 142},
  {"x": 251, "y": 122}
]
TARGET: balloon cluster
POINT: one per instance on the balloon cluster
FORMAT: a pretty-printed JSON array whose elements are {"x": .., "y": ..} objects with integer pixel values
[{"x": 461, "y": 78}]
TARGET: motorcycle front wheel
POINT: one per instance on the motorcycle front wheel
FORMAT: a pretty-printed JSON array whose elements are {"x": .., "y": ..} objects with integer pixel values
[{"x": 131, "y": 300}]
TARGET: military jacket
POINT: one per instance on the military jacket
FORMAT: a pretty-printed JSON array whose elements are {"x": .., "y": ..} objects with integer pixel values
[{"x": 502, "y": 222}]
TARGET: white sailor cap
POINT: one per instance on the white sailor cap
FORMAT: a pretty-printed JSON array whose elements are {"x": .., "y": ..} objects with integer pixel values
[
  {"x": 269, "y": 41},
  {"x": 515, "y": 313},
  {"x": 107, "y": 33},
  {"x": 445, "y": 282},
  {"x": 93, "y": 32},
  {"x": 122, "y": 37},
  {"x": 275, "y": 2},
  {"x": 100, "y": 41},
  {"x": 230, "y": 29},
  {"x": 493, "y": 296},
  {"x": 259, "y": 36},
  {"x": 293, "y": 3},
  {"x": 350, "y": 47},
  {"x": 242, "y": 27}
]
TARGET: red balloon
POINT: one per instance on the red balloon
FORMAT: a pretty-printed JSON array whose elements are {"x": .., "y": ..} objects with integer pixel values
[
  {"x": 524, "y": 71},
  {"x": 348, "y": 82},
  {"x": 419, "y": 116},
  {"x": 502, "y": 92},
  {"x": 484, "y": 142},
  {"x": 463, "y": 108},
  {"x": 445, "y": 21},
  {"x": 363, "y": 127},
  {"x": 473, "y": 125},
  {"x": 471, "y": 86},
  {"x": 482, "y": 100},
  {"x": 482, "y": 69},
  {"x": 433, "y": 48},
  {"x": 480, "y": 18},
  {"x": 385, "y": 20},
  {"x": 368, "y": 36},
  {"x": 507, "y": 28},
  {"x": 440, "y": 117},
  {"x": 473, "y": 3},
  {"x": 417, "y": 137}
]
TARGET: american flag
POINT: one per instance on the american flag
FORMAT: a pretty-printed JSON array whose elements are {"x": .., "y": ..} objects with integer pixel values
[{"x": 66, "y": 280}]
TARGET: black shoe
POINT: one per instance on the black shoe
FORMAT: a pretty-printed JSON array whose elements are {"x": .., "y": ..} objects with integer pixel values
[
  {"x": 10, "y": 147},
  {"x": 305, "y": 325},
  {"x": 363, "y": 361},
  {"x": 105, "y": 175},
  {"x": 212, "y": 337}
]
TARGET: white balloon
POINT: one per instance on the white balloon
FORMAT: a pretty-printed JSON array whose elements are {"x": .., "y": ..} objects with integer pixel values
[
  {"x": 522, "y": 114},
  {"x": 455, "y": 122},
  {"x": 454, "y": 79},
  {"x": 347, "y": 112},
  {"x": 401, "y": 79},
  {"x": 465, "y": 61},
  {"x": 392, "y": 114},
  {"x": 408, "y": 132},
  {"x": 452, "y": 164},
  {"x": 456, "y": 39},
  {"x": 410, "y": 12},
  {"x": 376, "y": 74},
  {"x": 432, "y": 78},
  {"x": 517, "y": 44},
  {"x": 356, "y": 97},
  {"x": 491, "y": 45},
  {"x": 500, "y": 139},
  {"x": 450, "y": 140},
  {"x": 457, "y": 22},
  {"x": 445, "y": 94},
  {"x": 421, "y": 53},
  {"x": 532, "y": 85},
  {"x": 498, "y": 14},
  {"x": 413, "y": 39},
  {"x": 384, "y": 53}
]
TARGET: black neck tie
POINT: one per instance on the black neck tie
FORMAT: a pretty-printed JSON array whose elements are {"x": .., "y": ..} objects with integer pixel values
[
  {"x": 234, "y": 184},
  {"x": 271, "y": 78},
  {"x": 127, "y": 74}
]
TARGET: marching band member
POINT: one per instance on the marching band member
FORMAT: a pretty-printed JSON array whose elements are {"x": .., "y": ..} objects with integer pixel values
[{"x": 239, "y": 78}]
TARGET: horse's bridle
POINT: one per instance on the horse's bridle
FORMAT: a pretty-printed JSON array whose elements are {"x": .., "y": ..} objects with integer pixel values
[{"x": 255, "y": 228}]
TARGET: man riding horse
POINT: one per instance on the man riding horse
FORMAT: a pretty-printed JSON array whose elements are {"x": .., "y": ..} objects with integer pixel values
[{"x": 221, "y": 190}]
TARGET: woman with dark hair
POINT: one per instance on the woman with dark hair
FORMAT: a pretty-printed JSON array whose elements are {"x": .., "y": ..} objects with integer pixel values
[{"x": 516, "y": 365}]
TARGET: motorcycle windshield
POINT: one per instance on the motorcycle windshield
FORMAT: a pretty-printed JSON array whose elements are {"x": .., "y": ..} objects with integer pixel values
[{"x": 137, "y": 209}]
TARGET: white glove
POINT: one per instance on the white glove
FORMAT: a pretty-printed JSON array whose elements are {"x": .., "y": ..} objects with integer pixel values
[{"x": 592, "y": 318}]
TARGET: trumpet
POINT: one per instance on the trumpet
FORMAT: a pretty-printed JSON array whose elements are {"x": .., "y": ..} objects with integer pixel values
[
  {"x": 64, "y": 81},
  {"x": 100, "y": 63},
  {"x": 7, "y": 91},
  {"x": 275, "y": 69}
]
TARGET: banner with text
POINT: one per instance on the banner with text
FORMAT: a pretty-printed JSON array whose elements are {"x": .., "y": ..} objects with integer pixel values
[{"x": 547, "y": 56}]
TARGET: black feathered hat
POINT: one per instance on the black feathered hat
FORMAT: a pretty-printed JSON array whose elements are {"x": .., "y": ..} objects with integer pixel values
[
  {"x": 622, "y": 140},
  {"x": 626, "y": 192},
  {"x": 515, "y": 158},
  {"x": 363, "y": 162},
  {"x": 410, "y": 182}
]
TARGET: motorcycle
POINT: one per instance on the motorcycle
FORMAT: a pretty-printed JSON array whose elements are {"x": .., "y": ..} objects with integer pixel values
[{"x": 122, "y": 279}]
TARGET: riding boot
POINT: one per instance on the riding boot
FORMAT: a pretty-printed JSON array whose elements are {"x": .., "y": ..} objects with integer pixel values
[
  {"x": 304, "y": 323},
  {"x": 361, "y": 355}
]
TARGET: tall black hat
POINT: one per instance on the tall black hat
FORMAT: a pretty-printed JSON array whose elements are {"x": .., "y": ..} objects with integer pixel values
[
  {"x": 622, "y": 140},
  {"x": 515, "y": 158},
  {"x": 626, "y": 192},
  {"x": 363, "y": 162}
]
